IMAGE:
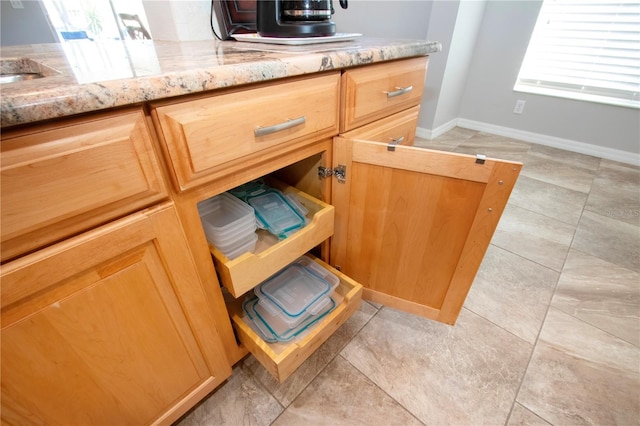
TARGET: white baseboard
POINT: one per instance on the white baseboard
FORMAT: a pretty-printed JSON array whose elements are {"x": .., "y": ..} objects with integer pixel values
[
  {"x": 538, "y": 138},
  {"x": 432, "y": 134}
]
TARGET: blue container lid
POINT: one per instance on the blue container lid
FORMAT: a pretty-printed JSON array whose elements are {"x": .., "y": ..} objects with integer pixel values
[
  {"x": 276, "y": 213},
  {"x": 263, "y": 322}
]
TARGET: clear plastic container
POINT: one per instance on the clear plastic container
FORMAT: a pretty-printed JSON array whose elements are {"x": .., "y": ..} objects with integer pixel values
[
  {"x": 252, "y": 320},
  {"x": 246, "y": 245},
  {"x": 229, "y": 224},
  {"x": 276, "y": 212},
  {"x": 272, "y": 329},
  {"x": 224, "y": 216},
  {"x": 301, "y": 289}
]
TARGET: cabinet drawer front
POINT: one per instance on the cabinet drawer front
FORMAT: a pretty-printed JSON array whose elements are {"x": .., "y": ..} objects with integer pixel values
[
  {"x": 242, "y": 274},
  {"x": 207, "y": 136},
  {"x": 373, "y": 92},
  {"x": 397, "y": 129},
  {"x": 58, "y": 181},
  {"x": 282, "y": 359}
]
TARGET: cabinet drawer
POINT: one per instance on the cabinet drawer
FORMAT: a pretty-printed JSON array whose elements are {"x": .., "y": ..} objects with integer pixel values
[
  {"x": 243, "y": 273},
  {"x": 206, "y": 137},
  {"x": 63, "y": 179},
  {"x": 399, "y": 128},
  {"x": 373, "y": 92},
  {"x": 282, "y": 359}
]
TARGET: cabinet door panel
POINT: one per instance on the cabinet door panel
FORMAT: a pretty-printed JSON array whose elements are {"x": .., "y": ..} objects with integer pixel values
[
  {"x": 106, "y": 340},
  {"x": 412, "y": 225}
]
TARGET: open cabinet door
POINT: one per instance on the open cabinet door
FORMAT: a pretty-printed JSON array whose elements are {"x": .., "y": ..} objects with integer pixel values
[{"x": 412, "y": 225}]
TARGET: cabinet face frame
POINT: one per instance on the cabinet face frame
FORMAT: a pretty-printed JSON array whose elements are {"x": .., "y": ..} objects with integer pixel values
[
  {"x": 54, "y": 339},
  {"x": 439, "y": 216}
]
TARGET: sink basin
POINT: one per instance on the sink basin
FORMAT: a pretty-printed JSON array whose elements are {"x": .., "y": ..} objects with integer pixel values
[
  {"x": 21, "y": 69},
  {"x": 13, "y": 77}
]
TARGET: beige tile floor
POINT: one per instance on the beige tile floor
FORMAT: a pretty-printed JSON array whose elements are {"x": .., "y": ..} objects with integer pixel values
[{"x": 549, "y": 334}]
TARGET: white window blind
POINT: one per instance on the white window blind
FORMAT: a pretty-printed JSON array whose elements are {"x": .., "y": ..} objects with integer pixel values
[{"x": 588, "y": 50}]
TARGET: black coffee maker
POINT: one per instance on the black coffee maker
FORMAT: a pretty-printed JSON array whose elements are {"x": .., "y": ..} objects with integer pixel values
[{"x": 301, "y": 18}]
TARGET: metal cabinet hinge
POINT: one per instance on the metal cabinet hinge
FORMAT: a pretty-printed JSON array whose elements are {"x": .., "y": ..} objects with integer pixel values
[
  {"x": 480, "y": 158},
  {"x": 391, "y": 146},
  {"x": 339, "y": 172}
]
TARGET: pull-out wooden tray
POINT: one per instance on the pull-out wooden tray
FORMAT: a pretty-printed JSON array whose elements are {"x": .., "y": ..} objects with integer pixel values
[
  {"x": 271, "y": 255},
  {"x": 282, "y": 359}
]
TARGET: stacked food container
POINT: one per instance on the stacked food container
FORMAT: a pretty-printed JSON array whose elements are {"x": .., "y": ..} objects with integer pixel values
[
  {"x": 229, "y": 224},
  {"x": 279, "y": 214},
  {"x": 230, "y": 219},
  {"x": 292, "y": 301}
]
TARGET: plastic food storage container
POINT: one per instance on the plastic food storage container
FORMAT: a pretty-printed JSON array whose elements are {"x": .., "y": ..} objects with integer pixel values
[
  {"x": 229, "y": 224},
  {"x": 301, "y": 289},
  {"x": 272, "y": 329},
  {"x": 276, "y": 213},
  {"x": 242, "y": 246}
]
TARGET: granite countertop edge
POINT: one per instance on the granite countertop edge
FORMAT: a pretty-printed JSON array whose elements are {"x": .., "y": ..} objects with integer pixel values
[{"x": 34, "y": 104}]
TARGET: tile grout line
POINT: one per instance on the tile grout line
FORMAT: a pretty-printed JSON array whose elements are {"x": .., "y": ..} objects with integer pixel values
[
  {"x": 382, "y": 390},
  {"x": 544, "y": 320},
  {"x": 371, "y": 380}
]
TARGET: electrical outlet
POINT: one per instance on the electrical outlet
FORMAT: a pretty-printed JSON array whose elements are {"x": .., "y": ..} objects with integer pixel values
[
  {"x": 519, "y": 106},
  {"x": 16, "y": 4}
]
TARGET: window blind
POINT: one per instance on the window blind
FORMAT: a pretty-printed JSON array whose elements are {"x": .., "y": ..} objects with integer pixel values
[{"x": 588, "y": 50}]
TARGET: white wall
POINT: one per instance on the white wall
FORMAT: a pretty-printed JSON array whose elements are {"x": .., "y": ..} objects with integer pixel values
[
  {"x": 456, "y": 25},
  {"x": 384, "y": 18},
  {"x": 28, "y": 25},
  {"x": 179, "y": 20},
  {"x": 489, "y": 99}
]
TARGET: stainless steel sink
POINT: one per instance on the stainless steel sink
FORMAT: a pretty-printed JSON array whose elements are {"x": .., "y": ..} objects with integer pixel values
[
  {"x": 13, "y": 77},
  {"x": 21, "y": 69}
]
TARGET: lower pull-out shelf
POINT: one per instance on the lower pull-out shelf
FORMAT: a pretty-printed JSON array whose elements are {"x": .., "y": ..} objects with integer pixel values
[{"x": 282, "y": 359}]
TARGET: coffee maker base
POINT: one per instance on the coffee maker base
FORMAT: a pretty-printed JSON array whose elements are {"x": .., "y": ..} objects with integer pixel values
[{"x": 300, "y": 29}]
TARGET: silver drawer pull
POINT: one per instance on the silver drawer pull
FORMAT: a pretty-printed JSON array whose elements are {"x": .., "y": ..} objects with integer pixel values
[
  {"x": 391, "y": 146},
  {"x": 263, "y": 131},
  {"x": 400, "y": 91}
]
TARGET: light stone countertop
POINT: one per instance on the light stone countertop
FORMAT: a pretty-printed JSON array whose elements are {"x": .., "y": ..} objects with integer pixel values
[{"x": 98, "y": 75}]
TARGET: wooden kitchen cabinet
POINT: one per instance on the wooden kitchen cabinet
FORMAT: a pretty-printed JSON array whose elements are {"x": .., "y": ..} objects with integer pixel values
[
  {"x": 248, "y": 155},
  {"x": 409, "y": 225},
  {"x": 111, "y": 305},
  {"x": 109, "y": 327}
]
